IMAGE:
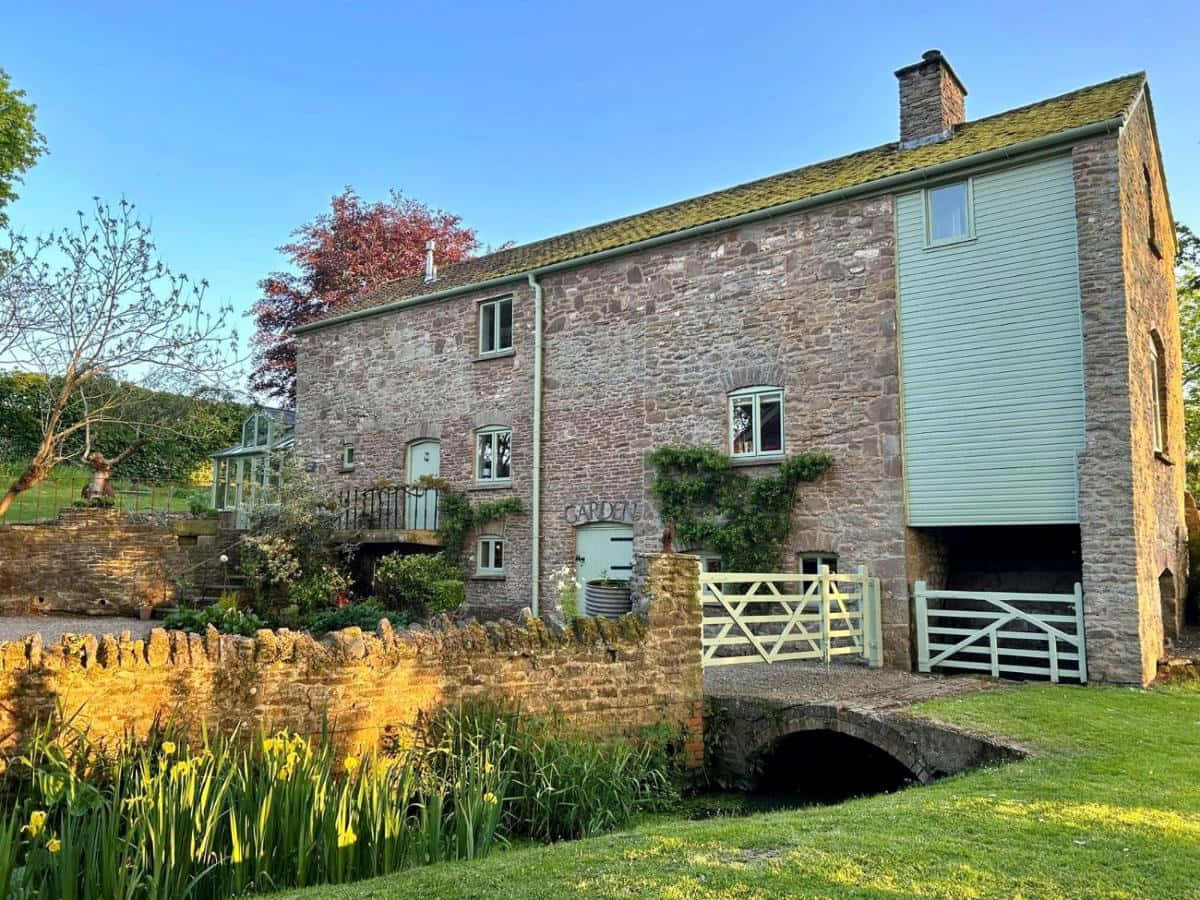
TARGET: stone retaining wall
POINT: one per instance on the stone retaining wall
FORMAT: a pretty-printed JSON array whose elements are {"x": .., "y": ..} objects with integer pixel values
[
  {"x": 603, "y": 677},
  {"x": 88, "y": 561}
]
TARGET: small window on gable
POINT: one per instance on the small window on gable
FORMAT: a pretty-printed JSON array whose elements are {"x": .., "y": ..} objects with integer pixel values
[
  {"x": 348, "y": 457},
  {"x": 810, "y": 563},
  {"x": 493, "y": 455},
  {"x": 1158, "y": 393},
  {"x": 1151, "y": 222},
  {"x": 489, "y": 559},
  {"x": 756, "y": 422},
  {"x": 495, "y": 326},
  {"x": 948, "y": 213}
]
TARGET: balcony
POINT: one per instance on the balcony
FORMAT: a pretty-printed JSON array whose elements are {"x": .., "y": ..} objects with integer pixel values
[{"x": 403, "y": 514}]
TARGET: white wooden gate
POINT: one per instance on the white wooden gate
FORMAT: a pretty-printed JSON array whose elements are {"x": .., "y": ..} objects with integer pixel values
[
  {"x": 754, "y": 618},
  {"x": 1001, "y": 633}
]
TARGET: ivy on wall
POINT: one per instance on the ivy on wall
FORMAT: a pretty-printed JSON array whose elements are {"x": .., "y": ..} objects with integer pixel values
[
  {"x": 458, "y": 517},
  {"x": 718, "y": 508}
]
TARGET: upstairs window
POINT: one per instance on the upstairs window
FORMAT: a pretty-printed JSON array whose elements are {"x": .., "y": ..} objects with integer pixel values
[
  {"x": 348, "y": 457},
  {"x": 493, "y": 455},
  {"x": 948, "y": 213},
  {"x": 495, "y": 326},
  {"x": 489, "y": 558},
  {"x": 1158, "y": 393},
  {"x": 756, "y": 422}
]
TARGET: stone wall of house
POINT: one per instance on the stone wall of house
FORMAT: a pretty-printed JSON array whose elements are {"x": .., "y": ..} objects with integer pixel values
[
  {"x": 603, "y": 677},
  {"x": 87, "y": 561},
  {"x": 1159, "y": 481},
  {"x": 386, "y": 382},
  {"x": 642, "y": 351},
  {"x": 1131, "y": 502}
]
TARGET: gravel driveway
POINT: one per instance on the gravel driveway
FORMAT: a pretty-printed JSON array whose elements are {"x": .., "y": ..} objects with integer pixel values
[{"x": 13, "y": 628}]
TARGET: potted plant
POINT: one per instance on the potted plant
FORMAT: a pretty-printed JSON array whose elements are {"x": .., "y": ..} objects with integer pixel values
[
  {"x": 145, "y": 611},
  {"x": 609, "y": 597}
]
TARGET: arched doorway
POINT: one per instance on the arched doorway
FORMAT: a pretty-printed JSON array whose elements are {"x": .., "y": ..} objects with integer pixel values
[{"x": 420, "y": 507}]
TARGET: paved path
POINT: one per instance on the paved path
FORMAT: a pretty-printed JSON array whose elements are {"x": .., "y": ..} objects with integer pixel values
[
  {"x": 13, "y": 628},
  {"x": 844, "y": 685}
]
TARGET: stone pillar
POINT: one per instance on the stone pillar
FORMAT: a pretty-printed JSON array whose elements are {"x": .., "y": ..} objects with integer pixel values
[{"x": 674, "y": 613}]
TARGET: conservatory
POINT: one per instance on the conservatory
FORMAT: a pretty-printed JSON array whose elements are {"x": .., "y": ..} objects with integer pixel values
[{"x": 246, "y": 476}]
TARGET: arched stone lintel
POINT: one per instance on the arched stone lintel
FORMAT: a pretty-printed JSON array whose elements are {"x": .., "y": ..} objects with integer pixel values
[
  {"x": 869, "y": 729},
  {"x": 756, "y": 375}
]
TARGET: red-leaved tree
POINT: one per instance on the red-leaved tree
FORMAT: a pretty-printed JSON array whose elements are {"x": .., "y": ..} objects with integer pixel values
[{"x": 353, "y": 248}]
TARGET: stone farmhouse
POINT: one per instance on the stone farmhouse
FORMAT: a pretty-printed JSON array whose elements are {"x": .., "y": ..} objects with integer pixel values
[{"x": 977, "y": 321}]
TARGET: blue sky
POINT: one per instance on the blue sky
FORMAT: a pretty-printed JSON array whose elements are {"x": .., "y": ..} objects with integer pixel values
[{"x": 230, "y": 124}]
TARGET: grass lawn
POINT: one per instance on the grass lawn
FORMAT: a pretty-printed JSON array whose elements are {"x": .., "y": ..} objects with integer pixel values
[
  {"x": 65, "y": 484},
  {"x": 1109, "y": 807}
]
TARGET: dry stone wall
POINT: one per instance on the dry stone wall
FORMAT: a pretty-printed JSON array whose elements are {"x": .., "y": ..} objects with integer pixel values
[{"x": 603, "y": 676}]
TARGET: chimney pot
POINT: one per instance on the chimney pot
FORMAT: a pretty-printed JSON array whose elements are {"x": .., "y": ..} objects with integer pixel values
[
  {"x": 430, "y": 265},
  {"x": 932, "y": 100}
]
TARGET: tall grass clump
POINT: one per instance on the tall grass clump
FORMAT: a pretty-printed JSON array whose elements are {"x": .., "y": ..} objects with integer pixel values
[{"x": 168, "y": 817}]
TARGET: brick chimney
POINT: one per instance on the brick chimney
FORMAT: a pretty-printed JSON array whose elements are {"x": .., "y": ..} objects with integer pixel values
[{"x": 932, "y": 100}]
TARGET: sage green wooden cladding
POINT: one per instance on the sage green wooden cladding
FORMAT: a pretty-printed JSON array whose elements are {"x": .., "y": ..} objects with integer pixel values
[{"x": 992, "y": 354}]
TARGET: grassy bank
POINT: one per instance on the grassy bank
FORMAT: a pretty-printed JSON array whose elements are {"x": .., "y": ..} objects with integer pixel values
[
  {"x": 1109, "y": 805},
  {"x": 65, "y": 485}
]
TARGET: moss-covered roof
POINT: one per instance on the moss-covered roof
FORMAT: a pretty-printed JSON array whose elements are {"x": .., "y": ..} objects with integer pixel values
[{"x": 1086, "y": 106}]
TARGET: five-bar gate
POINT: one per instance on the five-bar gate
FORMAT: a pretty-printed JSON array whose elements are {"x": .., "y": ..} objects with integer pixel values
[{"x": 754, "y": 618}]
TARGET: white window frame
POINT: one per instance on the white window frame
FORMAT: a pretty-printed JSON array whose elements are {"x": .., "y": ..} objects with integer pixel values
[
  {"x": 496, "y": 303},
  {"x": 349, "y": 457},
  {"x": 1157, "y": 392},
  {"x": 493, "y": 432},
  {"x": 969, "y": 234},
  {"x": 251, "y": 423},
  {"x": 485, "y": 555},
  {"x": 757, "y": 395},
  {"x": 822, "y": 558}
]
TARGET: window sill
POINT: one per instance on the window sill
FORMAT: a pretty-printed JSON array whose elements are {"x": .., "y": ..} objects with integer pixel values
[
  {"x": 1162, "y": 457},
  {"x": 489, "y": 577},
  {"x": 491, "y": 485},
  {"x": 949, "y": 242},
  {"x": 772, "y": 460},
  {"x": 499, "y": 354}
]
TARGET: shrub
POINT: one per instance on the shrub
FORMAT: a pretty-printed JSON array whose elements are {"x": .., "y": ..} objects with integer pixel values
[
  {"x": 224, "y": 617},
  {"x": 420, "y": 585},
  {"x": 199, "y": 506},
  {"x": 363, "y": 615},
  {"x": 318, "y": 590}
]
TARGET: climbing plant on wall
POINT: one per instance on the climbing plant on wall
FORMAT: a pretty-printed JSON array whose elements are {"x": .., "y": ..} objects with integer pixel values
[
  {"x": 716, "y": 507},
  {"x": 458, "y": 517}
]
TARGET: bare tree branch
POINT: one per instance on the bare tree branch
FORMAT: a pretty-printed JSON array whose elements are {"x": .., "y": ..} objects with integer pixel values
[{"x": 106, "y": 321}]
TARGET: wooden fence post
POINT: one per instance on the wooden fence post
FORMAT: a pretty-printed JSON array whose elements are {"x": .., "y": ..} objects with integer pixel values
[
  {"x": 1082, "y": 646},
  {"x": 922, "y": 615},
  {"x": 825, "y": 642}
]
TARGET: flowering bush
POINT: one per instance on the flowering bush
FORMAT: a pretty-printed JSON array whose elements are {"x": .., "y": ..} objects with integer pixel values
[
  {"x": 292, "y": 554},
  {"x": 567, "y": 588}
]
